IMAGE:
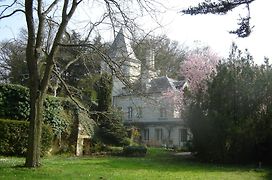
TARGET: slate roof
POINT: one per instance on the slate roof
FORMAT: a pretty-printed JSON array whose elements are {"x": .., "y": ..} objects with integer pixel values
[
  {"x": 121, "y": 46},
  {"x": 165, "y": 83}
]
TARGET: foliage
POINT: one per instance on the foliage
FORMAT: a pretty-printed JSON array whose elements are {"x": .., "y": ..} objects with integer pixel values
[
  {"x": 14, "y": 102},
  {"x": 61, "y": 114},
  {"x": 13, "y": 66},
  {"x": 104, "y": 88},
  {"x": 168, "y": 54},
  {"x": 87, "y": 122},
  {"x": 198, "y": 66},
  {"x": 14, "y": 135},
  {"x": 78, "y": 65},
  {"x": 89, "y": 86},
  {"x": 135, "y": 151},
  {"x": 111, "y": 130},
  {"x": 52, "y": 109},
  {"x": 231, "y": 121}
]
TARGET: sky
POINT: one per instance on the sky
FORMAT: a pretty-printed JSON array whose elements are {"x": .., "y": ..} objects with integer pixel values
[
  {"x": 213, "y": 30},
  {"x": 207, "y": 30}
]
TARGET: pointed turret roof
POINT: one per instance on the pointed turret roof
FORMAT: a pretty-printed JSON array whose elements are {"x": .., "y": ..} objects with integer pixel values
[{"x": 121, "y": 46}]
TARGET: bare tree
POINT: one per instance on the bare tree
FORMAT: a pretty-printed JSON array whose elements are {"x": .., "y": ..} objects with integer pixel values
[{"x": 42, "y": 50}]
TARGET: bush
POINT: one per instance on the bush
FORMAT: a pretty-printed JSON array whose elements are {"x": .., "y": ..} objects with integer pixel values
[
  {"x": 111, "y": 130},
  {"x": 61, "y": 114},
  {"x": 14, "y": 137},
  {"x": 135, "y": 151},
  {"x": 52, "y": 115},
  {"x": 14, "y": 102}
]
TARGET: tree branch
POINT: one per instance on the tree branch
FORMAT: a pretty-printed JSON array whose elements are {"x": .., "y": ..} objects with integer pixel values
[
  {"x": 68, "y": 91},
  {"x": 221, "y": 7},
  {"x": 15, "y": 11},
  {"x": 51, "y": 7}
]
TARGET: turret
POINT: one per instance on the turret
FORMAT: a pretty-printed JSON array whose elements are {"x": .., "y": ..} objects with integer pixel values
[{"x": 127, "y": 67}]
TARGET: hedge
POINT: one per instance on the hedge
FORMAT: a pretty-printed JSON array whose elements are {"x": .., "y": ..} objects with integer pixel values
[
  {"x": 14, "y": 136},
  {"x": 134, "y": 151},
  {"x": 14, "y": 102},
  {"x": 61, "y": 114}
]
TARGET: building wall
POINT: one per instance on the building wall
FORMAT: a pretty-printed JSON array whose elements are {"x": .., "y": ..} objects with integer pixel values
[
  {"x": 151, "y": 107},
  {"x": 152, "y": 118},
  {"x": 174, "y": 140}
]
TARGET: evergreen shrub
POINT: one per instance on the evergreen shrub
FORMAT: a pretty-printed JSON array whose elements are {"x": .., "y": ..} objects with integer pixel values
[
  {"x": 14, "y": 102},
  {"x": 111, "y": 130},
  {"x": 134, "y": 151},
  {"x": 14, "y": 137}
]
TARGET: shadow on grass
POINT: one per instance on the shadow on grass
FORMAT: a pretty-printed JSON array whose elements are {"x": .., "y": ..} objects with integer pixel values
[{"x": 269, "y": 174}]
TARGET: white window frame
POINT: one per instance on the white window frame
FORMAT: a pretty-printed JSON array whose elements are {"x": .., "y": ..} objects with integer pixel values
[
  {"x": 140, "y": 112},
  {"x": 146, "y": 134},
  {"x": 130, "y": 112},
  {"x": 159, "y": 134},
  {"x": 163, "y": 112},
  {"x": 183, "y": 138}
]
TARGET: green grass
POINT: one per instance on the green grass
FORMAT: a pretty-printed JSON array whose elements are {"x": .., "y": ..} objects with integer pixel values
[{"x": 158, "y": 164}]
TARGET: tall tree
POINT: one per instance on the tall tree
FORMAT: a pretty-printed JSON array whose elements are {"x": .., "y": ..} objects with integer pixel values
[
  {"x": 198, "y": 65},
  {"x": 222, "y": 7},
  {"x": 230, "y": 120},
  {"x": 168, "y": 54},
  {"x": 13, "y": 66}
]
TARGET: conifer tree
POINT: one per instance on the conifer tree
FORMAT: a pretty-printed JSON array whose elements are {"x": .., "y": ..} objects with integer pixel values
[{"x": 222, "y": 7}]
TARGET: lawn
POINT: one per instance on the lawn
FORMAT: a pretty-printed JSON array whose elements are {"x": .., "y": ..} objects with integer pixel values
[{"x": 158, "y": 164}]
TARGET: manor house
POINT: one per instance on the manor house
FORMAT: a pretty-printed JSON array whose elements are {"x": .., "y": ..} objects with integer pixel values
[{"x": 139, "y": 93}]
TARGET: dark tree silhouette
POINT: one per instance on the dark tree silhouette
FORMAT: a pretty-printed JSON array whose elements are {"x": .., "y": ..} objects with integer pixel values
[{"x": 222, "y": 7}]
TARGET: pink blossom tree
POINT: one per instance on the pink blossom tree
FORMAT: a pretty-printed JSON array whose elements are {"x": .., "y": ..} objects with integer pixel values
[{"x": 196, "y": 69}]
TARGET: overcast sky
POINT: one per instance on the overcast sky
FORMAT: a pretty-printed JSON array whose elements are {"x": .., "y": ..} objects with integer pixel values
[{"x": 211, "y": 30}]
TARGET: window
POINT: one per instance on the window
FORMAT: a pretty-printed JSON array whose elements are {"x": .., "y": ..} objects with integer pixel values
[
  {"x": 140, "y": 112},
  {"x": 158, "y": 134},
  {"x": 146, "y": 134},
  {"x": 183, "y": 134},
  {"x": 163, "y": 113},
  {"x": 130, "y": 112}
]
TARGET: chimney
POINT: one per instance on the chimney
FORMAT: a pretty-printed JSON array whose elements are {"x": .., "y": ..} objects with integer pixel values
[
  {"x": 150, "y": 59},
  {"x": 149, "y": 72}
]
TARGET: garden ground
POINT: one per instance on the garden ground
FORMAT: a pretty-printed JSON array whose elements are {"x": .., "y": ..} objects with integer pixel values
[{"x": 158, "y": 164}]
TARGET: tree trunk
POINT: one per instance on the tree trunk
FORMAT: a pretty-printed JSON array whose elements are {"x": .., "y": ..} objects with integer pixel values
[
  {"x": 39, "y": 81},
  {"x": 35, "y": 128}
]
